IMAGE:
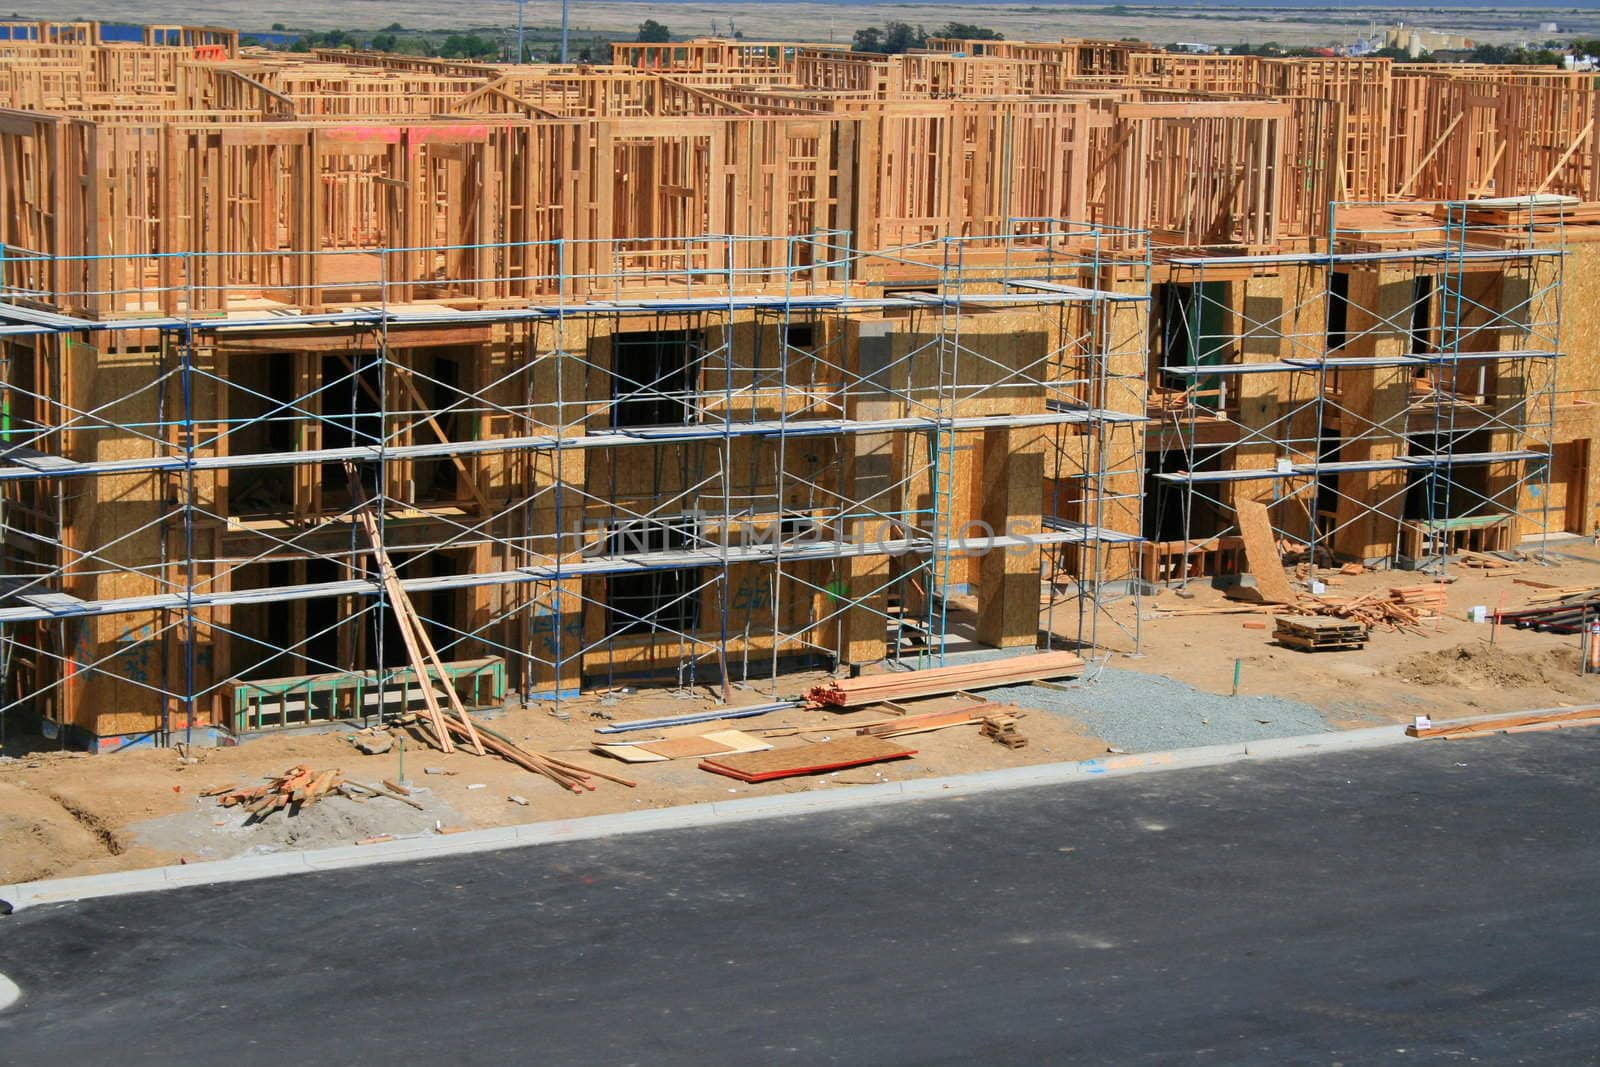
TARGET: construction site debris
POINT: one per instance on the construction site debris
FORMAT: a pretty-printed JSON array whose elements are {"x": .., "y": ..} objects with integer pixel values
[
  {"x": 1003, "y": 729},
  {"x": 695, "y": 717},
  {"x": 900, "y": 685},
  {"x": 373, "y": 743},
  {"x": 354, "y": 789},
  {"x": 294, "y": 788}
]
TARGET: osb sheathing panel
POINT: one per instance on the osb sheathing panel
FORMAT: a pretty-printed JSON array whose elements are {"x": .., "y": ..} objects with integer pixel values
[
  {"x": 1579, "y": 373},
  {"x": 1013, "y": 478},
  {"x": 1276, "y": 317},
  {"x": 114, "y": 517},
  {"x": 1370, "y": 502}
]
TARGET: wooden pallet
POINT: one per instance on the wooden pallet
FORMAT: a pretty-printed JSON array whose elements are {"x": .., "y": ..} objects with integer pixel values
[{"x": 1315, "y": 633}]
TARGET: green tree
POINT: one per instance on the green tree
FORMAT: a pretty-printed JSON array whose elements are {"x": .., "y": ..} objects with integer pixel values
[
  {"x": 867, "y": 39},
  {"x": 468, "y": 46},
  {"x": 652, "y": 32},
  {"x": 966, "y": 31},
  {"x": 893, "y": 38},
  {"x": 1505, "y": 55},
  {"x": 384, "y": 42}
]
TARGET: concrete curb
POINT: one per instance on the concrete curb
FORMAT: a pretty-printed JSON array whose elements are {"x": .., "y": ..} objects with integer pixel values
[{"x": 716, "y": 813}]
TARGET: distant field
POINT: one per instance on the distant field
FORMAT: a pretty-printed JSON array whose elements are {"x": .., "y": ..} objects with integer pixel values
[{"x": 838, "y": 21}]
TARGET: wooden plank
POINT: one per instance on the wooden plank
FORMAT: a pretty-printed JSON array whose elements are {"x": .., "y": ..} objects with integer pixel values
[{"x": 1503, "y": 722}]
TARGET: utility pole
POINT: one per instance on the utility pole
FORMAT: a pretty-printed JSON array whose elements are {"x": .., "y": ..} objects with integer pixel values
[
  {"x": 565, "y": 4},
  {"x": 521, "y": 4}
]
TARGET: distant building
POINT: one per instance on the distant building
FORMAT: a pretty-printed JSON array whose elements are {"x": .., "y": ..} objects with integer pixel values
[{"x": 1414, "y": 42}]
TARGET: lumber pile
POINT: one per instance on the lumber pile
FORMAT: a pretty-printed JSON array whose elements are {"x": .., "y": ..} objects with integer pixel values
[
  {"x": 929, "y": 721},
  {"x": 806, "y": 759},
  {"x": 1401, "y": 608},
  {"x": 1519, "y": 722},
  {"x": 295, "y": 788},
  {"x": 1425, "y": 599},
  {"x": 901, "y": 685}
]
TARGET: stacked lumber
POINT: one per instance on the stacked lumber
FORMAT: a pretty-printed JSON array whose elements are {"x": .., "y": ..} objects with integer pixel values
[
  {"x": 298, "y": 786},
  {"x": 1518, "y": 722},
  {"x": 1427, "y": 599},
  {"x": 806, "y": 759},
  {"x": 901, "y": 685},
  {"x": 929, "y": 721}
]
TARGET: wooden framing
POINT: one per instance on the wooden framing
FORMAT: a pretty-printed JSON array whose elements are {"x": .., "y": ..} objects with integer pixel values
[{"x": 179, "y": 178}]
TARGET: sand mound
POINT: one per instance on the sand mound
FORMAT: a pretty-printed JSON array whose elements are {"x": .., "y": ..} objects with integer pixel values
[{"x": 1481, "y": 666}]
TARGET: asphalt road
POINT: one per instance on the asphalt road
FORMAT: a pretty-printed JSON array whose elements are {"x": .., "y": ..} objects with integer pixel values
[{"x": 1436, "y": 901}]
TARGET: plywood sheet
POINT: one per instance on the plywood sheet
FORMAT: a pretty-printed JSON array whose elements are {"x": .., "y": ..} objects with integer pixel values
[
  {"x": 683, "y": 747},
  {"x": 1261, "y": 552},
  {"x": 630, "y": 753},
  {"x": 718, "y": 743},
  {"x": 807, "y": 759}
]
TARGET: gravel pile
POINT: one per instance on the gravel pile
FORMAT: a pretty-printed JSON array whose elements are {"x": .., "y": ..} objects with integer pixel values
[{"x": 1138, "y": 712}]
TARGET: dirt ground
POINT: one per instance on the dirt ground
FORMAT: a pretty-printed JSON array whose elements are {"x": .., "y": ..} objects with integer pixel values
[
  {"x": 1457, "y": 668},
  {"x": 65, "y": 813}
]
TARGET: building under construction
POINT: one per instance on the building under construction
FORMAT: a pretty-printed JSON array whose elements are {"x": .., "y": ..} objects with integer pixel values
[{"x": 323, "y": 372}]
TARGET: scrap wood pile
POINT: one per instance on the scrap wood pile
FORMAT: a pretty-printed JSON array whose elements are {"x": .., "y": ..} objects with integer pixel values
[
  {"x": 901, "y": 685},
  {"x": 298, "y": 788},
  {"x": 1559, "y": 613},
  {"x": 1518, "y": 722},
  {"x": 1403, "y": 607}
]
